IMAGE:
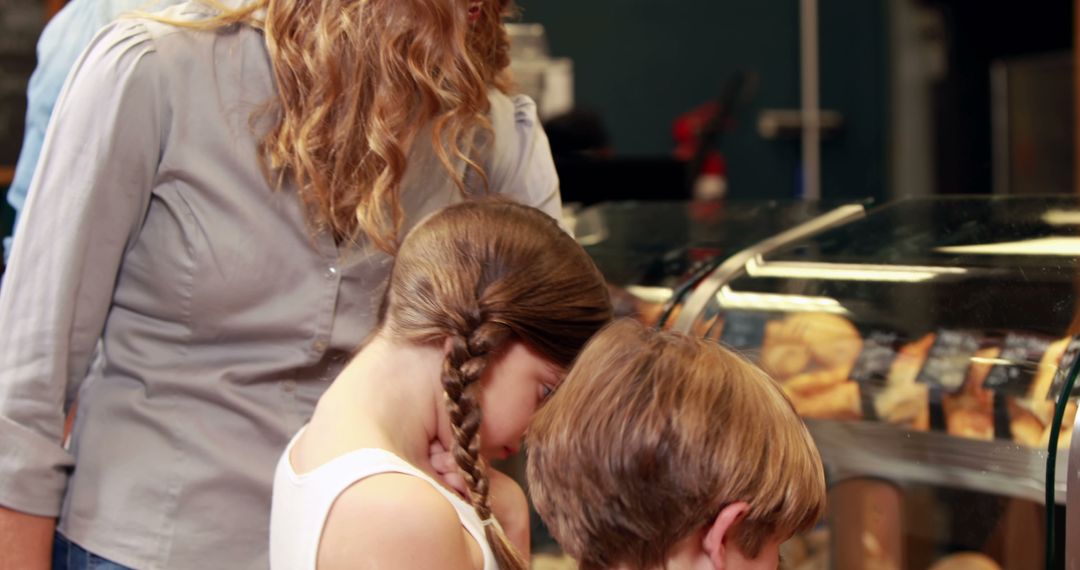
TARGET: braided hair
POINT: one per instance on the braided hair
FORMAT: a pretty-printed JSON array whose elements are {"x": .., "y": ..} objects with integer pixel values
[{"x": 479, "y": 275}]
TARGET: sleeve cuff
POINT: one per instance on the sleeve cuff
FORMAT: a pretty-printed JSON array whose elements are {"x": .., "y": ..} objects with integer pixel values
[{"x": 33, "y": 471}]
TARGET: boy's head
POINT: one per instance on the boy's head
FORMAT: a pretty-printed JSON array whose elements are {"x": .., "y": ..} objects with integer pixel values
[{"x": 661, "y": 448}]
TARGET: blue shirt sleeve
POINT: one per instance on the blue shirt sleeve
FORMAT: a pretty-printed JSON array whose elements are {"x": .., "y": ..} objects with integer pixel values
[{"x": 63, "y": 40}]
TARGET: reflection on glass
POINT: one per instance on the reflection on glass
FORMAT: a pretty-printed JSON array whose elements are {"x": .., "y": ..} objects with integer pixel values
[
  {"x": 729, "y": 299},
  {"x": 1056, "y": 217},
  {"x": 657, "y": 295},
  {"x": 1057, "y": 246},
  {"x": 849, "y": 271}
]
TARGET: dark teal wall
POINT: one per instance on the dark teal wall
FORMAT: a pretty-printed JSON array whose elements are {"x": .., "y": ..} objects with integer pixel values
[
  {"x": 640, "y": 63},
  {"x": 855, "y": 81}
]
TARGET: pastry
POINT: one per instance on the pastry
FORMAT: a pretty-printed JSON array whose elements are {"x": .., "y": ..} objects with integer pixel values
[
  {"x": 909, "y": 360},
  {"x": 904, "y": 404},
  {"x": 809, "y": 383},
  {"x": 903, "y": 400},
  {"x": 966, "y": 561},
  {"x": 1027, "y": 428},
  {"x": 1048, "y": 365},
  {"x": 812, "y": 354},
  {"x": 970, "y": 423},
  {"x": 832, "y": 341},
  {"x": 1030, "y": 417},
  {"x": 970, "y": 411},
  {"x": 1067, "y": 423},
  {"x": 783, "y": 358},
  {"x": 840, "y": 402}
]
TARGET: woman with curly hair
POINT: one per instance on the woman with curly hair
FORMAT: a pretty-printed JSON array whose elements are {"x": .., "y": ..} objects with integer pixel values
[{"x": 210, "y": 226}]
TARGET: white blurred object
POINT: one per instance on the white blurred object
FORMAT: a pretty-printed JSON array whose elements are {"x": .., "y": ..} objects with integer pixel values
[
  {"x": 549, "y": 81},
  {"x": 710, "y": 187}
]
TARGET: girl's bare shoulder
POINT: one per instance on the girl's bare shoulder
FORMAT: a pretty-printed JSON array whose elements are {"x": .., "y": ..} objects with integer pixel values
[{"x": 393, "y": 520}]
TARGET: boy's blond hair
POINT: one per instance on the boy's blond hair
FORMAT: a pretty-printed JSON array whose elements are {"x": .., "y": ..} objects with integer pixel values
[{"x": 652, "y": 434}]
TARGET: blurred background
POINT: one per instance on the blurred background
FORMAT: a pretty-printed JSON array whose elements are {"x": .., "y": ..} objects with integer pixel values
[{"x": 917, "y": 97}]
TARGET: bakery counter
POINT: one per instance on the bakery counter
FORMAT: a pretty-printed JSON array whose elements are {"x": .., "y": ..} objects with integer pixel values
[{"x": 927, "y": 343}]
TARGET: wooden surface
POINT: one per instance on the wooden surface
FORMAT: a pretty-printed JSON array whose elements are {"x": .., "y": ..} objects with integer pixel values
[
  {"x": 866, "y": 517},
  {"x": 6, "y": 174}
]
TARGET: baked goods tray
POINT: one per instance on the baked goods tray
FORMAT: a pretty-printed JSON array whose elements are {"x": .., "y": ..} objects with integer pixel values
[{"x": 854, "y": 449}]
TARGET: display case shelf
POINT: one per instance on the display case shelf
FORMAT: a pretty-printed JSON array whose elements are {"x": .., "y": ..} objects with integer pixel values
[{"x": 864, "y": 449}]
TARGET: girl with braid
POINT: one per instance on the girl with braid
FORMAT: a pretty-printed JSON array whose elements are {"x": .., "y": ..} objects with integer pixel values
[{"x": 487, "y": 306}]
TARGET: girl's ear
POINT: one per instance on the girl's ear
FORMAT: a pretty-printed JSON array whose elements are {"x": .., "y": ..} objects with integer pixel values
[
  {"x": 446, "y": 346},
  {"x": 717, "y": 535}
]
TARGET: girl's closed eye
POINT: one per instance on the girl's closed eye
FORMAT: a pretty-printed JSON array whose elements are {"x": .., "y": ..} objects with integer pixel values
[
  {"x": 549, "y": 380},
  {"x": 545, "y": 392}
]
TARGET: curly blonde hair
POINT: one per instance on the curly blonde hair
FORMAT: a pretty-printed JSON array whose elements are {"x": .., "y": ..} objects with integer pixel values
[{"x": 357, "y": 82}]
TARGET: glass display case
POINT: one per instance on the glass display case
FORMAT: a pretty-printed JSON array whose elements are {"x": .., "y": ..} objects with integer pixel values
[
  {"x": 927, "y": 343},
  {"x": 647, "y": 250}
]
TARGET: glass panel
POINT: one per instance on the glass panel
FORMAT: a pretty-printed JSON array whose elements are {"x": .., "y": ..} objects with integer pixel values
[
  {"x": 647, "y": 249},
  {"x": 922, "y": 343}
]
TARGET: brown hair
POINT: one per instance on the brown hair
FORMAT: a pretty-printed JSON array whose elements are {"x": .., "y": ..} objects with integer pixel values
[
  {"x": 357, "y": 82},
  {"x": 480, "y": 274},
  {"x": 652, "y": 434}
]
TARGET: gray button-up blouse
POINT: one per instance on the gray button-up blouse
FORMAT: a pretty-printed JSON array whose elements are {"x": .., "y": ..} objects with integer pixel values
[{"x": 159, "y": 277}]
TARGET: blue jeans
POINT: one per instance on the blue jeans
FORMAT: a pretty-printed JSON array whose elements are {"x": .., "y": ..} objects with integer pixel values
[{"x": 70, "y": 556}]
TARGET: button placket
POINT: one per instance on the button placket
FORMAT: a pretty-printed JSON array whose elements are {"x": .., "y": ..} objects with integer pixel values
[{"x": 332, "y": 274}]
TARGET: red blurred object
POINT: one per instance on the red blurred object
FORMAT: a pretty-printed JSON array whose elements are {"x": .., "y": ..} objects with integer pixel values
[
  {"x": 689, "y": 127},
  {"x": 690, "y": 132}
]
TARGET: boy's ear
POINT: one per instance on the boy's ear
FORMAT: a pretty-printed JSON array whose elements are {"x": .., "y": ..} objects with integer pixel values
[{"x": 717, "y": 535}]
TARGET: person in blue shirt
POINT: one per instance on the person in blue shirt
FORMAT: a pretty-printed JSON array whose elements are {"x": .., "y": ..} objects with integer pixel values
[{"x": 62, "y": 41}]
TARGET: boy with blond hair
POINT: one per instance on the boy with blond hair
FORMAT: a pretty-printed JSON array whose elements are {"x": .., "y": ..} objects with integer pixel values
[{"x": 662, "y": 450}]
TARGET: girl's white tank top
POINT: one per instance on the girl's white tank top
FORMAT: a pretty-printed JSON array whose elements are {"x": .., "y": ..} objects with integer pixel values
[{"x": 301, "y": 503}]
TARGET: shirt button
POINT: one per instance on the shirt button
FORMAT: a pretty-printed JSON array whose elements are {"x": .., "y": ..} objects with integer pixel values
[
  {"x": 331, "y": 272},
  {"x": 289, "y": 385},
  {"x": 320, "y": 345}
]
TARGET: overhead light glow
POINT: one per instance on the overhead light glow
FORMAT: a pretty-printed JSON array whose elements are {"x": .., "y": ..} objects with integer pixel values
[
  {"x": 1063, "y": 246},
  {"x": 850, "y": 271},
  {"x": 650, "y": 294},
  {"x": 729, "y": 299},
  {"x": 1062, "y": 217}
]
